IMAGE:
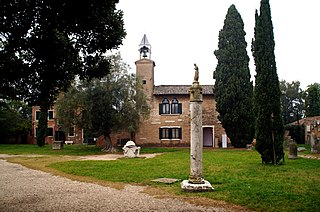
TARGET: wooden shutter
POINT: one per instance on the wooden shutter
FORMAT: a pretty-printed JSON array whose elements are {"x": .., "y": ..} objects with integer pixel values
[
  {"x": 180, "y": 133},
  {"x": 180, "y": 108},
  {"x": 170, "y": 133},
  {"x": 160, "y": 133}
]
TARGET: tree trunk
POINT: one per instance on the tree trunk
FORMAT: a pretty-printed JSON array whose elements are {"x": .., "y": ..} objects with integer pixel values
[
  {"x": 42, "y": 126},
  {"x": 108, "y": 147}
]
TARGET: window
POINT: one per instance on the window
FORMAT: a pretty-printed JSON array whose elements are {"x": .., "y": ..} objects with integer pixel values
[
  {"x": 37, "y": 115},
  {"x": 176, "y": 133},
  {"x": 50, "y": 114},
  {"x": 170, "y": 133},
  {"x": 164, "y": 133},
  {"x": 71, "y": 132},
  {"x": 164, "y": 107},
  {"x": 49, "y": 131},
  {"x": 176, "y": 107},
  {"x": 144, "y": 82}
]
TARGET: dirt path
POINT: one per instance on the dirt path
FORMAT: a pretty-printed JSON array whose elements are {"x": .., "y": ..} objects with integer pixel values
[{"x": 24, "y": 189}]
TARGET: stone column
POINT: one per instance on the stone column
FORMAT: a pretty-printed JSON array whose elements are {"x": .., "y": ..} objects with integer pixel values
[
  {"x": 196, "y": 181},
  {"x": 196, "y": 144}
]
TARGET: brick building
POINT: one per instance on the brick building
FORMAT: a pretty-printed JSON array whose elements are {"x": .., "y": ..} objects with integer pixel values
[
  {"x": 312, "y": 128},
  {"x": 74, "y": 135},
  {"x": 169, "y": 120},
  {"x": 168, "y": 123}
]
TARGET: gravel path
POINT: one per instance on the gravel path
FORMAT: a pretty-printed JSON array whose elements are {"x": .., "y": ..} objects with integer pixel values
[{"x": 23, "y": 189}]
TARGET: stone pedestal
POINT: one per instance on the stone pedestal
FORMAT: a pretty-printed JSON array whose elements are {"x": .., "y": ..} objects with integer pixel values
[
  {"x": 57, "y": 145},
  {"x": 196, "y": 181},
  {"x": 293, "y": 150}
]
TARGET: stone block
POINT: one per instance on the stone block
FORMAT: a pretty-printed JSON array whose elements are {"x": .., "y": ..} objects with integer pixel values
[
  {"x": 56, "y": 145},
  {"x": 190, "y": 187}
]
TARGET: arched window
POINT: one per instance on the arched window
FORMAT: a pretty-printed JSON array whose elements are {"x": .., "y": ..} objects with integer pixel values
[
  {"x": 176, "y": 107},
  {"x": 164, "y": 107}
]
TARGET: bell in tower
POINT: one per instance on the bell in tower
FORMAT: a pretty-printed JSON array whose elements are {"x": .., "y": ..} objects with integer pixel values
[
  {"x": 145, "y": 48},
  {"x": 145, "y": 68}
]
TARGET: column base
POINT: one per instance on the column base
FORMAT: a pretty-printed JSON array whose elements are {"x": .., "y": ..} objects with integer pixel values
[{"x": 190, "y": 187}]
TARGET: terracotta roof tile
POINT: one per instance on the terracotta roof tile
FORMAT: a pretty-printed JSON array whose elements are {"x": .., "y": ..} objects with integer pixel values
[{"x": 180, "y": 89}]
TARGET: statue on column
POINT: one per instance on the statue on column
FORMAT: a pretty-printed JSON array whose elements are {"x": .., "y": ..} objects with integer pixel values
[{"x": 196, "y": 73}]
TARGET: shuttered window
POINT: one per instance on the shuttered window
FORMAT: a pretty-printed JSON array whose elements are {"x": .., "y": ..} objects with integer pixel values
[{"x": 170, "y": 133}]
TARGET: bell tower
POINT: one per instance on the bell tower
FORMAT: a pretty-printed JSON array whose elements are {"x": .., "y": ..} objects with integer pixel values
[{"x": 145, "y": 68}]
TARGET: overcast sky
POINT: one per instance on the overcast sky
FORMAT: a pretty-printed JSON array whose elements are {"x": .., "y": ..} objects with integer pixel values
[{"x": 184, "y": 32}]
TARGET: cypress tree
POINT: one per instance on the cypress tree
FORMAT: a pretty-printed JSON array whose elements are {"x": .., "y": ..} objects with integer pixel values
[
  {"x": 233, "y": 89},
  {"x": 267, "y": 107}
]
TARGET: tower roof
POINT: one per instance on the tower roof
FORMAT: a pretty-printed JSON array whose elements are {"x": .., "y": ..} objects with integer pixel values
[
  {"x": 145, "y": 48},
  {"x": 144, "y": 41}
]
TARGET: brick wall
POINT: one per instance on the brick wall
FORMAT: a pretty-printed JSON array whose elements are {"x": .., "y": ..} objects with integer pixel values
[
  {"x": 53, "y": 123},
  {"x": 148, "y": 133}
]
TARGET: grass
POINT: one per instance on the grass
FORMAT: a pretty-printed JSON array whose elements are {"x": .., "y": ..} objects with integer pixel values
[
  {"x": 237, "y": 176},
  {"x": 75, "y": 150},
  {"x": 26, "y": 149}
]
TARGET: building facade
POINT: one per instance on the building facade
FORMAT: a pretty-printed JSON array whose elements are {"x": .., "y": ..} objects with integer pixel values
[
  {"x": 168, "y": 123},
  {"x": 73, "y": 135}
]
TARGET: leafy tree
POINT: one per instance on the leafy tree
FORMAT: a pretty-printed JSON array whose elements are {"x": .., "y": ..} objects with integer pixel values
[
  {"x": 15, "y": 119},
  {"x": 267, "y": 107},
  {"x": 296, "y": 132},
  {"x": 45, "y": 44},
  {"x": 292, "y": 101},
  {"x": 104, "y": 106},
  {"x": 233, "y": 88},
  {"x": 312, "y": 103}
]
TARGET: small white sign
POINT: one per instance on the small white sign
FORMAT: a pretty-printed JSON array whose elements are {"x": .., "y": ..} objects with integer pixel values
[{"x": 224, "y": 141}]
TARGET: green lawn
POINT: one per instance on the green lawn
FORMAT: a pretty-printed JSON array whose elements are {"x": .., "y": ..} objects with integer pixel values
[
  {"x": 237, "y": 176},
  {"x": 76, "y": 150}
]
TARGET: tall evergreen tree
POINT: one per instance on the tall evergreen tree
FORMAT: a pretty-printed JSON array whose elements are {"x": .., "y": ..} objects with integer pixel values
[
  {"x": 233, "y": 89},
  {"x": 267, "y": 107}
]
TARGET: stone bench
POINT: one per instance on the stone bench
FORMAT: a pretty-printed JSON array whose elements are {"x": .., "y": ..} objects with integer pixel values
[{"x": 68, "y": 142}]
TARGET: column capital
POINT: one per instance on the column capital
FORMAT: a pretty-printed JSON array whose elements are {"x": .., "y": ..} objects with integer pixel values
[{"x": 195, "y": 92}]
